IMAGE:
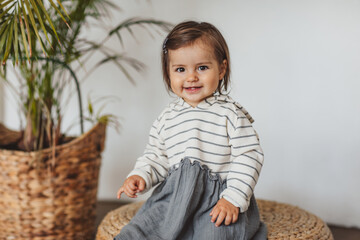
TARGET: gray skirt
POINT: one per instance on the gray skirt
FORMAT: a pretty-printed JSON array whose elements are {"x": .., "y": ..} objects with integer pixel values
[{"x": 179, "y": 208}]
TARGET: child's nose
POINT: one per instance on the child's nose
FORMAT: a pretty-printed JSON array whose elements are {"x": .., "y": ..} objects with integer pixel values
[{"x": 192, "y": 77}]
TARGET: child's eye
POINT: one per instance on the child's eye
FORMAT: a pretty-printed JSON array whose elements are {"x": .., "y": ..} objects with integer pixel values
[
  {"x": 202, "y": 68},
  {"x": 180, "y": 69}
]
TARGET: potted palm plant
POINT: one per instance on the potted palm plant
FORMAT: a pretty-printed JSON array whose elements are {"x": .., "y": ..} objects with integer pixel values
[{"x": 48, "y": 181}]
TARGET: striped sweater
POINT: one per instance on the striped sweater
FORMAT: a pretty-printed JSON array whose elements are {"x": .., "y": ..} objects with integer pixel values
[{"x": 217, "y": 133}]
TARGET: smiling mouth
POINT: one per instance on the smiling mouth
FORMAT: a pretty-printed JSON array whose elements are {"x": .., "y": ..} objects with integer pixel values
[{"x": 192, "y": 88}]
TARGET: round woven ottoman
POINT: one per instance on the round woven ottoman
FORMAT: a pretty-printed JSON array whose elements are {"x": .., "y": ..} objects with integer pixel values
[{"x": 283, "y": 221}]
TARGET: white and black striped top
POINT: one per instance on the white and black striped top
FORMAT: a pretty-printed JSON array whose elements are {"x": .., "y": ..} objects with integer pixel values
[{"x": 217, "y": 133}]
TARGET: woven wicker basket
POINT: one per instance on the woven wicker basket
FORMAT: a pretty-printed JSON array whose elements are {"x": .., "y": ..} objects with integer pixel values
[{"x": 45, "y": 198}]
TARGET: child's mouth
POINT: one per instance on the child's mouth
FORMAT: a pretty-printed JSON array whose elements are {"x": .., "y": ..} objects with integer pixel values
[{"x": 192, "y": 89}]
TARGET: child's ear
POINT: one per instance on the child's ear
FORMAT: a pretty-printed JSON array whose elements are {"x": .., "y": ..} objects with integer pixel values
[{"x": 223, "y": 68}]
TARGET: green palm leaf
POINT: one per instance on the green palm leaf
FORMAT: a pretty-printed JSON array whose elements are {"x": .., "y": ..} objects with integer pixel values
[
  {"x": 129, "y": 23},
  {"x": 9, "y": 39},
  {"x": 32, "y": 20},
  {"x": 3, "y": 6},
  {"x": 3, "y": 32},
  {"x": 16, "y": 44},
  {"x": 25, "y": 43},
  {"x": 26, "y": 25},
  {"x": 62, "y": 7},
  {"x": 48, "y": 19},
  {"x": 59, "y": 12},
  {"x": 36, "y": 18}
]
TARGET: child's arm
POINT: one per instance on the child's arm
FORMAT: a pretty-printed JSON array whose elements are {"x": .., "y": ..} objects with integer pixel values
[
  {"x": 224, "y": 210},
  {"x": 132, "y": 185},
  {"x": 246, "y": 161},
  {"x": 153, "y": 165}
]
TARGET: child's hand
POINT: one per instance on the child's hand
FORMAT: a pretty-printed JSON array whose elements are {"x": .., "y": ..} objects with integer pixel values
[
  {"x": 224, "y": 210},
  {"x": 132, "y": 185}
]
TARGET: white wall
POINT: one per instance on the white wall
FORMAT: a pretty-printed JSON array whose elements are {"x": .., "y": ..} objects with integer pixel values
[{"x": 296, "y": 70}]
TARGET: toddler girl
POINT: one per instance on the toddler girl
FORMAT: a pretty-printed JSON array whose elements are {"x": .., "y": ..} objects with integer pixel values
[{"x": 202, "y": 151}]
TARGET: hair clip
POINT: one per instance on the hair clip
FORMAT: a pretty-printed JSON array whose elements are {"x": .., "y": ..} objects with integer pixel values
[{"x": 164, "y": 46}]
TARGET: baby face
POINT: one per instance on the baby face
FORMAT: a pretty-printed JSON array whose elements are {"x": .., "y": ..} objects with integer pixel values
[{"x": 194, "y": 72}]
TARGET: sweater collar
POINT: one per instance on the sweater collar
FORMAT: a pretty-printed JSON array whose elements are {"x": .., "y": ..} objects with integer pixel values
[
  {"x": 210, "y": 101},
  {"x": 207, "y": 102}
]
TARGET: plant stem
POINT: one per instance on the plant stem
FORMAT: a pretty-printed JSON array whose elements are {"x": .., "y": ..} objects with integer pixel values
[{"x": 54, "y": 60}]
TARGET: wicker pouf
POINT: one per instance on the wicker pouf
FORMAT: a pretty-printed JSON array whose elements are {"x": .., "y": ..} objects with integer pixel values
[{"x": 284, "y": 221}]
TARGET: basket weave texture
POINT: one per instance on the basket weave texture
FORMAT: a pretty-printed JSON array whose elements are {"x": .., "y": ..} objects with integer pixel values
[
  {"x": 47, "y": 198},
  {"x": 283, "y": 221}
]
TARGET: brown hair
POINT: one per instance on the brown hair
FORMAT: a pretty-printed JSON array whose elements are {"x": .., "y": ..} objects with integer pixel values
[{"x": 188, "y": 32}]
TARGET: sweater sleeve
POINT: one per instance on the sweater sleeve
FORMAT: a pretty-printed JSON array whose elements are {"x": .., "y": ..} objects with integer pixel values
[
  {"x": 246, "y": 162},
  {"x": 153, "y": 165}
]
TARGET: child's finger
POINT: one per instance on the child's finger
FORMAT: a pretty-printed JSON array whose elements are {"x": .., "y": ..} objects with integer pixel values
[
  {"x": 132, "y": 186},
  {"x": 213, "y": 210},
  {"x": 141, "y": 186},
  {"x": 228, "y": 219},
  {"x": 235, "y": 218},
  {"x": 220, "y": 219},
  {"x": 130, "y": 192},
  {"x": 214, "y": 214},
  {"x": 121, "y": 190}
]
